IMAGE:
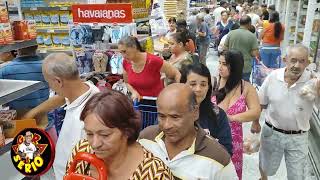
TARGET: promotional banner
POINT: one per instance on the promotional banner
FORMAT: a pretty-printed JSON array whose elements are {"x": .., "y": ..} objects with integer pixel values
[{"x": 102, "y": 13}]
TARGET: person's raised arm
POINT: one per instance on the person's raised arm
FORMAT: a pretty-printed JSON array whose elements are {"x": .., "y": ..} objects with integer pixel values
[
  {"x": 45, "y": 107},
  {"x": 170, "y": 71}
]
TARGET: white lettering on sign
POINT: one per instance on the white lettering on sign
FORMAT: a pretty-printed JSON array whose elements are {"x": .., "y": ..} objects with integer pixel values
[{"x": 109, "y": 14}]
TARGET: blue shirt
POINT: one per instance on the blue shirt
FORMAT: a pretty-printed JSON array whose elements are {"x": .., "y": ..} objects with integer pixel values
[
  {"x": 26, "y": 68},
  {"x": 220, "y": 130}
]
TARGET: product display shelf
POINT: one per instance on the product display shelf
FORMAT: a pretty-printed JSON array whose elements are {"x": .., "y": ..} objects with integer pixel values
[
  {"x": 17, "y": 45},
  {"x": 67, "y": 8},
  {"x": 47, "y": 51},
  {"x": 13, "y": 9},
  {"x": 11, "y": 90},
  {"x": 52, "y": 30}
]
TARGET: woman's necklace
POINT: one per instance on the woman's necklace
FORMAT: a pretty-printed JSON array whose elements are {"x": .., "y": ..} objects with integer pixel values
[{"x": 138, "y": 67}]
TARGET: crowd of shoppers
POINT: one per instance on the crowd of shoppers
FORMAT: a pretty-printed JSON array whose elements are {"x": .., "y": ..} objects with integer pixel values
[{"x": 199, "y": 133}]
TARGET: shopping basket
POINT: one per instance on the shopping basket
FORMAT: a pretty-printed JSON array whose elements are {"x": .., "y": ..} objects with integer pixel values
[
  {"x": 148, "y": 108},
  {"x": 93, "y": 160},
  {"x": 260, "y": 72}
]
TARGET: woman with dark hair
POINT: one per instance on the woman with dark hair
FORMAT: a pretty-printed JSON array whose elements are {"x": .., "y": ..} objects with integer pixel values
[
  {"x": 112, "y": 127},
  {"x": 271, "y": 36},
  {"x": 142, "y": 70},
  {"x": 238, "y": 98},
  {"x": 211, "y": 118}
]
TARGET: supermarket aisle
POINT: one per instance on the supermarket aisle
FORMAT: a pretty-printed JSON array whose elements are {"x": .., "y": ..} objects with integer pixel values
[{"x": 251, "y": 162}]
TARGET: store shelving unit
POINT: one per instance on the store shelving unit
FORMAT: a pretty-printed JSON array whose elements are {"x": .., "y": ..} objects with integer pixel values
[
  {"x": 14, "y": 89},
  {"x": 17, "y": 45},
  {"x": 50, "y": 29},
  {"x": 46, "y": 9}
]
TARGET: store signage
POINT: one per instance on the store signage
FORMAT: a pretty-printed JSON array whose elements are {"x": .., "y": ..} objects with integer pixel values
[
  {"x": 102, "y": 13},
  {"x": 32, "y": 152}
]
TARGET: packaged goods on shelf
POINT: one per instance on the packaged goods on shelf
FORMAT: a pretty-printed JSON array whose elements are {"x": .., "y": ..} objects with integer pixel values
[
  {"x": 56, "y": 40},
  {"x": 40, "y": 39},
  {"x": 38, "y": 19},
  {"x": 45, "y": 18},
  {"x": 54, "y": 18},
  {"x": 29, "y": 16},
  {"x": 65, "y": 18},
  {"x": 32, "y": 31},
  {"x": 3, "y": 14},
  {"x": 20, "y": 30},
  {"x": 2, "y": 39},
  {"x": 7, "y": 33},
  {"x": 47, "y": 40}
]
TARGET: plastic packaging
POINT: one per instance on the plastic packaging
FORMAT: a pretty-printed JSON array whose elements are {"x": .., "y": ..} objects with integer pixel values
[
  {"x": 309, "y": 90},
  {"x": 3, "y": 14},
  {"x": 251, "y": 144}
]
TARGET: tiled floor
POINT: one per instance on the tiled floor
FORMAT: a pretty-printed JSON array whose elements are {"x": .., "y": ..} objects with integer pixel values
[{"x": 251, "y": 162}]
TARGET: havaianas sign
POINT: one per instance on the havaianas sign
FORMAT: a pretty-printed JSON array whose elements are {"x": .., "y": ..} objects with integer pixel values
[{"x": 102, "y": 13}]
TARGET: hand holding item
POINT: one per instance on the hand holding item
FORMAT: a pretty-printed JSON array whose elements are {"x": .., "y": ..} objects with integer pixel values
[
  {"x": 135, "y": 96},
  {"x": 255, "y": 127},
  {"x": 251, "y": 144}
]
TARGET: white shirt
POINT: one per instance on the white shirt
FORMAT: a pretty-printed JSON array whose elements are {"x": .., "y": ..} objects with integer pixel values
[
  {"x": 286, "y": 109},
  {"x": 217, "y": 14},
  {"x": 221, "y": 44},
  {"x": 254, "y": 18},
  {"x": 189, "y": 166},
  {"x": 71, "y": 131},
  {"x": 28, "y": 150}
]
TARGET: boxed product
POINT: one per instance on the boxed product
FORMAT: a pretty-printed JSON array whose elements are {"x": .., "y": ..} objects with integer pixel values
[
  {"x": 65, "y": 40},
  {"x": 28, "y": 16},
  {"x": 38, "y": 18},
  {"x": 54, "y": 18},
  {"x": 12, "y": 128},
  {"x": 47, "y": 40},
  {"x": 56, "y": 40},
  {"x": 65, "y": 18},
  {"x": 40, "y": 40},
  {"x": 45, "y": 18},
  {"x": 4, "y": 18},
  {"x": 7, "y": 33},
  {"x": 32, "y": 31},
  {"x": 20, "y": 30}
]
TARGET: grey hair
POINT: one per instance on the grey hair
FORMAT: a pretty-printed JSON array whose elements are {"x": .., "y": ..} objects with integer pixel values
[
  {"x": 297, "y": 46},
  {"x": 61, "y": 65}
]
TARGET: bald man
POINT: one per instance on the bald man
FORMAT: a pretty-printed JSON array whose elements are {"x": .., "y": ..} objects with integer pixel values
[
  {"x": 61, "y": 73},
  {"x": 180, "y": 142}
]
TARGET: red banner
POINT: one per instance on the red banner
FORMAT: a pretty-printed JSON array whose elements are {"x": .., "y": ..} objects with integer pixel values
[{"x": 102, "y": 13}]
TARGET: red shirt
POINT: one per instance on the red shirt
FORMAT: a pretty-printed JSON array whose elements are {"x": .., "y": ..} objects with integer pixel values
[{"x": 147, "y": 82}]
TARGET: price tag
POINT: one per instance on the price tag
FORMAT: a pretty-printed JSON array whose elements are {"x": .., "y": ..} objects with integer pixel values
[
  {"x": 95, "y": 26},
  {"x": 64, "y": 8},
  {"x": 50, "y": 31},
  {"x": 33, "y": 9}
]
